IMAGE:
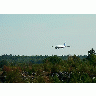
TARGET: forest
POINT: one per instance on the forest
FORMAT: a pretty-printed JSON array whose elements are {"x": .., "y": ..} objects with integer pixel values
[{"x": 48, "y": 69}]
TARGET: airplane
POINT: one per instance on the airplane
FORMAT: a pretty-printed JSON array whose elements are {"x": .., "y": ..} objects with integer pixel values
[{"x": 61, "y": 46}]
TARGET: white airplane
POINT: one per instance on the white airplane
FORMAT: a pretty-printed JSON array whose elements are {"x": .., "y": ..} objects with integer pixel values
[{"x": 61, "y": 46}]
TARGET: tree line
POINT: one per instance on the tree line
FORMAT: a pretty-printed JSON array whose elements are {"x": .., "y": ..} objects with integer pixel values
[
  {"x": 52, "y": 69},
  {"x": 31, "y": 59}
]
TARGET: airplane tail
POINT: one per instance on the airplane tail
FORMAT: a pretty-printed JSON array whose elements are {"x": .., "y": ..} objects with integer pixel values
[{"x": 65, "y": 44}]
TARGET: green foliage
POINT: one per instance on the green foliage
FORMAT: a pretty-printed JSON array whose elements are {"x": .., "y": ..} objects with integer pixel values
[
  {"x": 92, "y": 51},
  {"x": 12, "y": 74},
  {"x": 55, "y": 79},
  {"x": 53, "y": 59},
  {"x": 92, "y": 57},
  {"x": 54, "y": 69},
  {"x": 2, "y": 63}
]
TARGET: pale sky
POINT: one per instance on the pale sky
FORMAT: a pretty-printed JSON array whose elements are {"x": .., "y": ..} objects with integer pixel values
[{"x": 35, "y": 34}]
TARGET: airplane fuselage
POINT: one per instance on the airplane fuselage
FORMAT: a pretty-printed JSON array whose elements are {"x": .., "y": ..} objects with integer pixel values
[{"x": 59, "y": 46}]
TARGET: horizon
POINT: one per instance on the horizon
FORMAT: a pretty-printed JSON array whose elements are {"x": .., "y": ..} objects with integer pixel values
[{"x": 42, "y": 55}]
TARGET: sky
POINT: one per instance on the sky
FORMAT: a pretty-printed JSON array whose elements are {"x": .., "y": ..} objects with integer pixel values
[{"x": 35, "y": 34}]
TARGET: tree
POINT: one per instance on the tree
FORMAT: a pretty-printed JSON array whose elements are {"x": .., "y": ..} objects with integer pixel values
[
  {"x": 91, "y": 56},
  {"x": 2, "y": 63},
  {"x": 53, "y": 59}
]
